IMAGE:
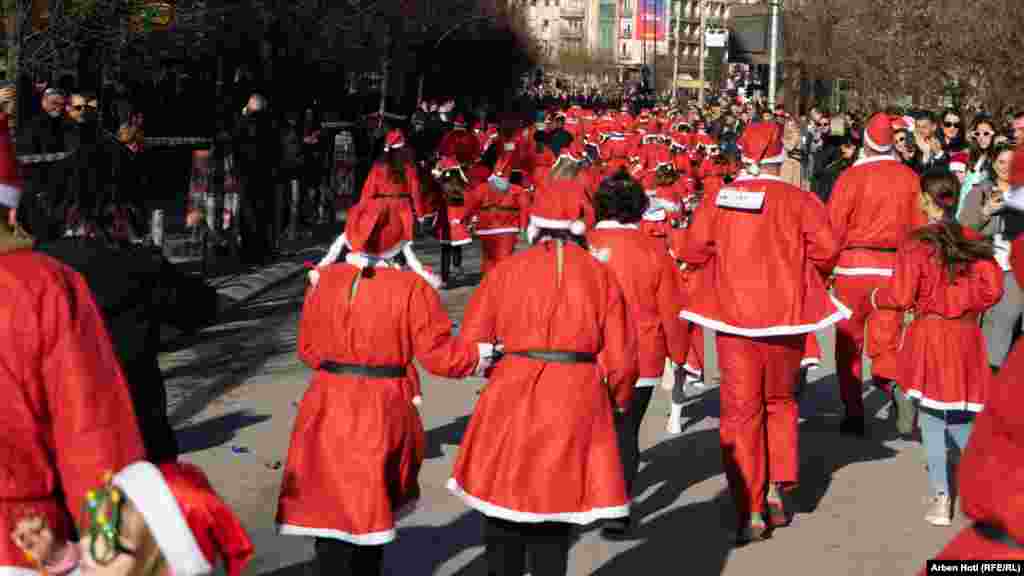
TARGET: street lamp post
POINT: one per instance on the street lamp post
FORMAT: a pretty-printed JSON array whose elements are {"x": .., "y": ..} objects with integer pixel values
[
  {"x": 675, "y": 65},
  {"x": 773, "y": 71},
  {"x": 703, "y": 29}
]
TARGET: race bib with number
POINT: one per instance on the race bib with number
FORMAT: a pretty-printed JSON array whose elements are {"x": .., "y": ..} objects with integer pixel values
[{"x": 739, "y": 199}]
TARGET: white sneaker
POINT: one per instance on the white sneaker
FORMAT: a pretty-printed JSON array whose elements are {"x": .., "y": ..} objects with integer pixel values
[{"x": 940, "y": 512}]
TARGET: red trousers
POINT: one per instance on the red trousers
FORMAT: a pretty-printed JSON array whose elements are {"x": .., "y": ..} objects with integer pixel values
[
  {"x": 883, "y": 335},
  {"x": 494, "y": 247},
  {"x": 759, "y": 416}
]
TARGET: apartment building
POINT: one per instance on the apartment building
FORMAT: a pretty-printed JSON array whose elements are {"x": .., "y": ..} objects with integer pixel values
[{"x": 559, "y": 24}]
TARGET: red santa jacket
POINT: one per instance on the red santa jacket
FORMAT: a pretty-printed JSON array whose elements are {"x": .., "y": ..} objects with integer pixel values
[
  {"x": 497, "y": 212},
  {"x": 462, "y": 144},
  {"x": 762, "y": 246},
  {"x": 874, "y": 205},
  {"x": 66, "y": 415},
  {"x": 990, "y": 478},
  {"x": 542, "y": 437},
  {"x": 651, "y": 284}
]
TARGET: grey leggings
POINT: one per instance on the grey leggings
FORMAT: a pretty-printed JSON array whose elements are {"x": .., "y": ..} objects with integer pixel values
[{"x": 1000, "y": 321}]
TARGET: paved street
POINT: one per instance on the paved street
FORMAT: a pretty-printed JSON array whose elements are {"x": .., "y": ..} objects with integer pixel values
[{"x": 233, "y": 392}]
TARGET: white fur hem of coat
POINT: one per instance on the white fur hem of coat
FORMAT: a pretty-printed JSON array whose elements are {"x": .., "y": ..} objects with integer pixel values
[
  {"x": 841, "y": 271},
  {"x": 647, "y": 382},
  {"x": 494, "y": 511},
  {"x": 13, "y": 571},
  {"x": 936, "y": 405},
  {"x": 810, "y": 363},
  {"x": 782, "y": 330}
]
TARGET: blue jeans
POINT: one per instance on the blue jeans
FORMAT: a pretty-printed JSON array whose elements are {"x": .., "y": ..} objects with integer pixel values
[{"x": 935, "y": 426}]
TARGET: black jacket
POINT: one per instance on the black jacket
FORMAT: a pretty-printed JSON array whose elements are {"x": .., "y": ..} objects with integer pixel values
[{"x": 137, "y": 290}]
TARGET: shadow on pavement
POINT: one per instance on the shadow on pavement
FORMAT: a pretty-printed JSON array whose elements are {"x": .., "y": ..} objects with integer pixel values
[
  {"x": 421, "y": 550},
  {"x": 450, "y": 433},
  {"x": 216, "y": 431},
  {"x": 702, "y": 548}
]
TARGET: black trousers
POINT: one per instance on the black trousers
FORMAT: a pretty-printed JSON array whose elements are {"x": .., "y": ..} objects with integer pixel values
[
  {"x": 627, "y": 426},
  {"x": 337, "y": 558},
  {"x": 508, "y": 544},
  {"x": 450, "y": 256}
]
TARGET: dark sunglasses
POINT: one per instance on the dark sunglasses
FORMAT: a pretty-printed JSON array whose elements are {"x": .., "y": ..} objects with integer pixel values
[
  {"x": 79, "y": 108},
  {"x": 900, "y": 140},
  {"x": 985, "y": 134},
  {"x": 949, "y": 124}
]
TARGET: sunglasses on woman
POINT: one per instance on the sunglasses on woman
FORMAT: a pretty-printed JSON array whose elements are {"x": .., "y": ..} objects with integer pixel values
[
  {"x": 984, "y": 134},
  {"x": 951, "y": 124}
]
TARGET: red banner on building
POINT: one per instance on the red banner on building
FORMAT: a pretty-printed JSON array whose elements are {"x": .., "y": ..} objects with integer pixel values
[{"x": 651, "y": 19}]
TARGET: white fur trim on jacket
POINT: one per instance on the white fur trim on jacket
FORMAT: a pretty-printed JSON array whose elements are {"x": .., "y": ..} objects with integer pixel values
[
  {"x": 781, "y": 330},
  {"x": 368, "y": 539},
  {"x": 647, "y": 382},
  {"x": 334, "y": 252},
  {"x": 841, "y": 271},
  {"x": 936, "y": 405},
  {"x": 810, "y": 363},
  {"x": 10, "y": 196},
  {"x": 615, "y": 225},
  {"x": 12, "y": 571},
  {"x": 487, "y": 354},
  {"x": 1015, "y": 198},
  {"x": 144, "y": 484},
  {"x": 581, "y": 518},
  {"x": 873, "y": 159}
]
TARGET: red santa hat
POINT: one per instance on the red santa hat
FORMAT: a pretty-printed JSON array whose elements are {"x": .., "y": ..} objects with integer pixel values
[
  {"x": 10, "y": 181},
  {"x": 448, "y": 164},
  {"x": 958, "y": 162},
  {"x": 376, "y": 229},
  {"x": 901, "y": 123},
  {"x": 460, "y": 121},
  {"x": 565, "y": 210},
  {"x": 761, "y": 143},
  {"x": 190, "y": 523},
  {"x": 394, "y": 140},
  {"x": 878, "y": 133}
]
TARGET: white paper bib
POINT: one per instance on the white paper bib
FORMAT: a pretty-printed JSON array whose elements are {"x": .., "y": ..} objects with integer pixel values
[{"x": 739, "y": 199}]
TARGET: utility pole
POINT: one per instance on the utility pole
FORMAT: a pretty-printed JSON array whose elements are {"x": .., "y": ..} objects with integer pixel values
[
  {"x": 675, "y": 65},
  {"x": 703, "y": 29},
  {"x": 773, "y": 70}
]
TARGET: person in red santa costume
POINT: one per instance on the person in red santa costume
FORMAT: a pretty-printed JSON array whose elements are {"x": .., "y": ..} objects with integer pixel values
[
  {"x": 66, "y": 414},
  {"x": 164, "y": 520},
  {"x": 990, "y": 479},
  {"x": 667, "y": 190},
  {"x": 567, "y": 175},
  {"x": 540, "y": 452},
  {"x": 654, "y": 296},
  {"x": 873, "y": 208},
  {"x": 460, "y": 143},
  {"x": 392, "y": 182},
  {"x": 498, "y": 205},
  {"x": 761, "y": 310},
  {"x": 947, "y": 275},
  {"x": 454, "y": 233},
  {"x": 360, "y": 330}
]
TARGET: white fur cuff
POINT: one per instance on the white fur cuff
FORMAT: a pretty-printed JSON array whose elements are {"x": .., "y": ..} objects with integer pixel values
[{"x": 489, "y": 354}]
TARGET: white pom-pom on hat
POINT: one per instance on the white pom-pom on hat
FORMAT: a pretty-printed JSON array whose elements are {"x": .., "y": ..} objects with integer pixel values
[
  {"x": 417, "y": 400},
  {"x": 578, "y": 228}
]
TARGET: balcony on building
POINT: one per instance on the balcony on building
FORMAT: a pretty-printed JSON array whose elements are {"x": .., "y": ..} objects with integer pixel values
[
  {"x": 572, "y": 11},
  {"x": 570, "y": 32}
]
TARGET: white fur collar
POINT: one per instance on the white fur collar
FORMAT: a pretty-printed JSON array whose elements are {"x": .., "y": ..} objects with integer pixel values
[{"x": 874, "y": 159}]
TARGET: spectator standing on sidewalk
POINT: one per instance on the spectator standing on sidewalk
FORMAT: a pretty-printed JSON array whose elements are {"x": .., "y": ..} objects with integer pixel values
[
  {"x": 87, "y": 167},
  {"x": 65, "y": 412},
  {"x": 257, "y": 154},
  {"x": 44, "y": 134}
]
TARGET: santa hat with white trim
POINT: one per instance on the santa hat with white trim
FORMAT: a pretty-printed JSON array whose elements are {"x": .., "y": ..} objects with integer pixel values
[
  {"x": 10, "y": 179},
  {"x": 958, "y": 162},
  {"x": 566, "y": 210},
  {"x": 190, "y": 523},
  {"x": 376, "y": 229},
  {"x": 460, "y": 121},
  {"x": 448, "y": 164},
  {"x": 878, "y": 133},
  {"x": 761, "y": 144},
  {"x": 394, "y": 140}
]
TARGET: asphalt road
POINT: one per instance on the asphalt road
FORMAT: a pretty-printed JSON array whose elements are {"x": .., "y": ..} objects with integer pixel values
[{"x": 861, "y": 503}]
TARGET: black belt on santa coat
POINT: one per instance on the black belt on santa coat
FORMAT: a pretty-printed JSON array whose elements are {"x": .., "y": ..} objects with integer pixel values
[
  {"x": 557, "y": 356},
  {"x": 873, "y": 249},
  {"x": 377, "y": 372},
  {"x": 996, "y": 534}
]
